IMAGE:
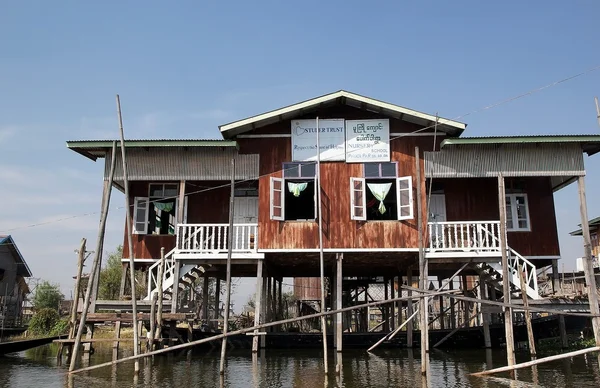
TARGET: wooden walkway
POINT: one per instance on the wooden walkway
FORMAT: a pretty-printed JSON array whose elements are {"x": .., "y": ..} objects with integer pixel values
[{"x": 19, "y": 346}]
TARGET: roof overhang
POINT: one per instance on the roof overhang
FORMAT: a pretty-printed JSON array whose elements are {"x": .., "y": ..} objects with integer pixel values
[
  {"x": 590, "y": 144},
  {"x": 593, "y": 223},
  {"x": 451, "y": 127},
  {"x": 94, "y": 149},
  {"x": 22, "y": 267}
]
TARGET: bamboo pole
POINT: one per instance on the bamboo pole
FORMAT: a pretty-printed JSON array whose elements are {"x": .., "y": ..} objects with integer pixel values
[
  {"x": 409, "y": 319},
  {"x": 257, "y": 303},
  {"x": 588, "y": 267},
  {"x": 423, "y": 273},
  {"x": 228, "y": 274},
  {"x": 508, "y": 321},
  {"x": 527, "y": 314},
  {"x": 321, "y": 260},
  {"x": 80, "y": 260},
  {"x": 152, "y": 331},
  {"x": 338, "y": 304},
  {"x": 409, "y": 310},
  {"x": 538, "y": 361},
  {"x": 136, "y": 342},
  {"x": 257, "y": 327},
  {"x": 503, "y": 304},
  {"x": 159, "y": 309},
  {"x": 485, "y": 317},
  {"x": 96, "y": 262}
]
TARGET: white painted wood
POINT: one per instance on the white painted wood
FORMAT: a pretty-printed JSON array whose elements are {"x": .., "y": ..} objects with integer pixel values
[
  {"x": 404, "y": 187},
  {"x": 141, "y": 209},
  {"x": 358, "y": 199},
  {"x": 277, "y": 191}
]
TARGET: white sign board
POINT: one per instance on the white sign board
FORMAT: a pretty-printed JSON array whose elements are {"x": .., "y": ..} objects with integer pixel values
[
  {"x": 331, "y": 140},
  {"x": 367, "y": 141}
]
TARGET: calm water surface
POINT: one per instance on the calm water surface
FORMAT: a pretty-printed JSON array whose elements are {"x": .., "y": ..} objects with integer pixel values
[{"x": 296, "y": 368}]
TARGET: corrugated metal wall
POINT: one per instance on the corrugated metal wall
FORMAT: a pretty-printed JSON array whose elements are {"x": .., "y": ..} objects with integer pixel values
[
  {"x": 487, "y": 160},
  {"x": 176, "y": 163}
]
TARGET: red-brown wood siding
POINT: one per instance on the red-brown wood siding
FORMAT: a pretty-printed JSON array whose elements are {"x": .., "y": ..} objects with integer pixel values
[
  {"x": 339, "y": 231},
  {"x": 208, "y": 202},
  {"x": 476, "y": 199}
]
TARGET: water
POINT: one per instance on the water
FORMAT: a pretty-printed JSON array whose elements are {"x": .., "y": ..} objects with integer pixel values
[{"x": 296, "y": 368}]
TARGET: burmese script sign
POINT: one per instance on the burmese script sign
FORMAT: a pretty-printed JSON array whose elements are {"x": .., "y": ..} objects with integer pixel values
[
  {"x": 331, "y": 140},
  {"x": 367, "y": 141}
]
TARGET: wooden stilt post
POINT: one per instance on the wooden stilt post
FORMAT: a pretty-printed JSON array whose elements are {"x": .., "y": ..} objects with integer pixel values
[
  {"x": 527, "y": 313},
  {"x": 217, "y": 301},
  {"x": 392, "y": 306},
  {"x": 508, "y": 321},
  {"x": 442, "y": 318},
  {"x": 115, "y": 346},
  {"x": 555, "y": 277},
  {"x": 338, "y": 305},
  {"x": 175, "y": 291},
  {"x": 159, "y": 310},
  {"x": 80, "y": 260},
  {"x": 452, "y": 308},
  {"x": 588, "y": 266},
  {"x": 562, "y": 328},
  {"x": 385, "y": 311},
  {"x": 263, "y": 307},
  {"x": 205, "y": 307},
  {"x": 95, "y": 265},
  {"x": 485, "y": 317},
  {"x": 257, "y": 304},
  {"x": 423, "y": 273},
  {"x": 321, "y": 260},
  {"x": 152, "y": 332},
  {"x": 399, "y": 306},
  {"x": 409, "y": 310},
  {"x": 136, "y": 342},
  {"x": 228, "y": 270},
  {"x": 125, "y": 267}
]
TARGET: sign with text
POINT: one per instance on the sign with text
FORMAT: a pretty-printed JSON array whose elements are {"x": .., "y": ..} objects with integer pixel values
[
  {"x": 367, "y": 141},
  {"x": 331, "y": 140}
]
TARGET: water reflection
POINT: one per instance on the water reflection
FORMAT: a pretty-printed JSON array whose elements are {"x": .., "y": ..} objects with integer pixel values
[{"x": 297, "y": 368}]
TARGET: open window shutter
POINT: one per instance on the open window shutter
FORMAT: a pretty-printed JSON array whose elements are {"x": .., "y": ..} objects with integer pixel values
[
  {"x": 277, "y": 199},
  {"x": 140, "y": 215},
  {"x": 405, "y": 197},
  {"x": 358, "y": 199}
]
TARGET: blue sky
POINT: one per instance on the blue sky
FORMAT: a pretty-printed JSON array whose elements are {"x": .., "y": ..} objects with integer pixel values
[{"x": 183, "y": 68}]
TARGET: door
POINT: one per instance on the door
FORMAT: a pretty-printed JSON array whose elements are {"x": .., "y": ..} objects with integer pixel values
[
  {"x": 437, "y": 213},
  {"x": 245, "y": 211}
]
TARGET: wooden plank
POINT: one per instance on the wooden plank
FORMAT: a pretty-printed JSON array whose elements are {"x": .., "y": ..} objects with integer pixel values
[
  {"x": 530, "y": 337},
  {"x": 128, "y": 317}
]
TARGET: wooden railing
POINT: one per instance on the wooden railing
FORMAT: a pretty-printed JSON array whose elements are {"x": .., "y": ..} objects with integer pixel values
[
  {"x": 213, "y": 238},
  {"x": 464, "y": 236}
]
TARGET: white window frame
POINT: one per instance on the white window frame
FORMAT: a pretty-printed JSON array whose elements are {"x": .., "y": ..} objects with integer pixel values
[
  {"x": 512, "y": 197},
  {"x": 353, "y": 205},
  {"x": 410, "y": 204},
  {"x": 137, "y": 222},
  {"x": 273, "y": 193}
]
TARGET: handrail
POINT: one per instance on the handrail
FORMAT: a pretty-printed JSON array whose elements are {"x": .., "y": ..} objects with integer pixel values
[
  {"x": 463, "y": 235},
  {"x": 213, "y": 238},
  {"x": 153, "y": 271}
]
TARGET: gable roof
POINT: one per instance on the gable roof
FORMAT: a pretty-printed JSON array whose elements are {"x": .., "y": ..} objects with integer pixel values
[
  {"x": 589, "y": 143},
  {"x": 22, "y": 267},
  {"x": 94, "y": 149},
  {"x": 347, "y": 98}
]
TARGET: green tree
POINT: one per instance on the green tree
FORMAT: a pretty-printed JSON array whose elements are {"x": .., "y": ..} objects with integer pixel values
[
  {"x": 47, "y": 295},
  {"x": 110, "y": 276}
]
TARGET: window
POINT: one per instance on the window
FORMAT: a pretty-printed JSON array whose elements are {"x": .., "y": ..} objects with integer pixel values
[
  {"x": 293, "y": 197},
  {"x": 157, "y": 213},
  {"x": 517, "y": 213},
  {"x": 381, "y": 195}
]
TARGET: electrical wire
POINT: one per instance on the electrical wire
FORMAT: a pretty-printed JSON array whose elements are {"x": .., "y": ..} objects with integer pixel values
[{"x": 487, "y": 107}]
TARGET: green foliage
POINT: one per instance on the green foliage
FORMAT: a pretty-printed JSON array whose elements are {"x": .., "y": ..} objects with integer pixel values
[
  {"x": 110, "y": 276},
  {"x": 43, "y": 321},
  {"x": 61, "y": 327},
  {"x": 47, "y": 296}
]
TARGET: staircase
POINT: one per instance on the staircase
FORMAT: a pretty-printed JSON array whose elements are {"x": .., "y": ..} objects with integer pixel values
[
  {"x": 187, "y": 275},
  {"x": 492, "y": 273}
]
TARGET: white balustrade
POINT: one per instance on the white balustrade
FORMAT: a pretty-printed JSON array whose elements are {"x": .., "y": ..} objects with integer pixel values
[
  {"x": 464, "y": 236},
  {"x": 213, "y": 238}
]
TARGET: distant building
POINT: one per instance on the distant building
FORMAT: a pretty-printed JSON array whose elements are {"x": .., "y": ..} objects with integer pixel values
[{"x": 13, "y": 288}]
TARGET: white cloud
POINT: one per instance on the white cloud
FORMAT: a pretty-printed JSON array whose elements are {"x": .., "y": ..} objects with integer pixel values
[{"x": 6, "y": 133}]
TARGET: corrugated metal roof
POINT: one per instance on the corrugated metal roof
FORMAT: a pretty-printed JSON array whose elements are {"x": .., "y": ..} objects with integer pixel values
[
  {"x": 590, "y": 143},
  {"x": 344, "y": 97},
  {"x": 22, "y": 269},
  {"x": 592, "y": 222},
  {"x": 94, "y": 149}
]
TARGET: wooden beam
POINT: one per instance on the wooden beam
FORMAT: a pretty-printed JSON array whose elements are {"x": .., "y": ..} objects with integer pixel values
[
  {"x": 530, "y": 337},
  {"x": 80, "y": 260},
  {"x": 485, "y": 317},
  {"x": 159, "y": 310},
  {"x": 409, "y": 310},
  {"x": 538, "y": 361},
  {"x": 508, "y": 321},
  {"x": 338, "y": 302},
  {"x": 257, "y": 304},
  {"x": 251, "y": 329},
  {"x": 423, "y": 272},
  {"x": 228, "y": 278}
]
